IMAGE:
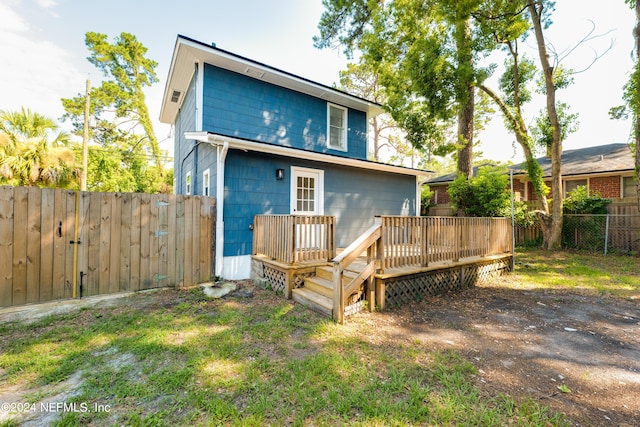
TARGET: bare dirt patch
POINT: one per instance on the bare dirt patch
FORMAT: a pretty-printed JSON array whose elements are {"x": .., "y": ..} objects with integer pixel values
[{"x": 577, "y": 354}]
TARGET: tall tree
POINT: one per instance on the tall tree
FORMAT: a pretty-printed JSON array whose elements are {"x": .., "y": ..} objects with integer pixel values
[
  {"x": 632, "y": 94},
  {"x": 425, "y": 53},
  {"x": 34, "y": 152},
  {"x": 388, "y": 143},
  {"x": 119, "y": 104},
  {"x": 539, "y": 13}
]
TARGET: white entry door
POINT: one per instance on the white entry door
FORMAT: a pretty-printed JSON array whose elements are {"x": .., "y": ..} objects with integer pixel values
[
  {"x": 307, "y": 191},
  {"x": 307, "y": 198}
]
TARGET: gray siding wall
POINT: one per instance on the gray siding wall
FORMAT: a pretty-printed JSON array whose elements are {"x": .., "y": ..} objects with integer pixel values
[
  {"x": 182, "y": 148},
  {"x": 356, "y": 196},
  {"x": 353, "y": 196}
]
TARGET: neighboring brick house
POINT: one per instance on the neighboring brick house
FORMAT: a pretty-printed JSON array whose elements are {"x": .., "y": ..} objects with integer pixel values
[{"x": 606, "y": 170}]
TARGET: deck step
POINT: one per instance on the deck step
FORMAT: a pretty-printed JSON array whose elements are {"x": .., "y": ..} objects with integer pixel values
[
  {"x": 319, "y": 285},
  {"x": 313, "y": 300},
  {"x": 327, "y": 274}
]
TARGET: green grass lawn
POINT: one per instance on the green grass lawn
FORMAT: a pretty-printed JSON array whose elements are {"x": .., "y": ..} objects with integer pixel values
[
  {"x": 613, "y": 275},
  {"x": 176, "y": 358}
]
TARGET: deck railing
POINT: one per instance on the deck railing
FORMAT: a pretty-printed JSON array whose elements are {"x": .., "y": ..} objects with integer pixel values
[
  {"x": 420, "y": 241},
  {"x": 294, "y": 238},
  {"x": 392, "y": 242}
]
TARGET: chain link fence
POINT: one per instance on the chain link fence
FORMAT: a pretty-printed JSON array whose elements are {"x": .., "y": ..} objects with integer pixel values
[{"x": 600, "y": 233}]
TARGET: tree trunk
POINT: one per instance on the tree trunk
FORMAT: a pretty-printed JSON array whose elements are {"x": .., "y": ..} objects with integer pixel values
[
  {"x": 551, "y": 225},
  {"x": 466, "y": 101},
  {"x": 465, "y": 136}
]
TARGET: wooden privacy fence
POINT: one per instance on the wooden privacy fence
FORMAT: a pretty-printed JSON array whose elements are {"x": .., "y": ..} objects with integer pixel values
[{"x": 57, "y": 244}]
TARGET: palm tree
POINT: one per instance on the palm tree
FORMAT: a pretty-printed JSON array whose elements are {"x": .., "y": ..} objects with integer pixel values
[{"x": 34, "y": 152}]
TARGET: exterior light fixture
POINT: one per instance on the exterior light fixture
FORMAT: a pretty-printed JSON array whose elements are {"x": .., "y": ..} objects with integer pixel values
[{"x": 279, "y": 174}]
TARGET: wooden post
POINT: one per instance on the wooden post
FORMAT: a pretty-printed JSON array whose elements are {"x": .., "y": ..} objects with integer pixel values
[
  {"x": 6, "y": 246},
  {"x": 380, "y": 291},
  {"x": 338, "y": 299}
]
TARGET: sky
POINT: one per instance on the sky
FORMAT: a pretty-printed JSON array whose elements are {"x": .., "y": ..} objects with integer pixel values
[{"x": 43, "y": 55}]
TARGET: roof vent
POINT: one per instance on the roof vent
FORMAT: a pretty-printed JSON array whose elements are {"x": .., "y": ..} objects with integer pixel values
[
  {"x": 254, "y": 73},
  {"x": 175, "y": 96}
]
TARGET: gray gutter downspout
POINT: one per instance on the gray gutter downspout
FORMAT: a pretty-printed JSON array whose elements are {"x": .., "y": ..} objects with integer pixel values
[{"x": 222, "y": 147}]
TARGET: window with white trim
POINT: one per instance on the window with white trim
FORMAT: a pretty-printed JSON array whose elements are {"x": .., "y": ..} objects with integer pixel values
[
  {"x": 205, "y": 182},
  {"x": 187, "y": 181},
  {"x": 336, "y": 127},
  {"x": 629, "y": 187}
]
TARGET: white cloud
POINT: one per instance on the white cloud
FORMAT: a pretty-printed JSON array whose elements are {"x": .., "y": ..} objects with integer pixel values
[
  {"x": 35, "y": 73},
  {"x": 11, "y": 21},
  {"x": 47, "y": 4}
]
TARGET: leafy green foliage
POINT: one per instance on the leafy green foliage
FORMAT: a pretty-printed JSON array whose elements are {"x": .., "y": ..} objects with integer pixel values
[
  {"x": 542, "y": 132},
  {"x": 584, "y": 232},
  {"x": 514, "y": 81},
  {"x": 128, "y": 156},
  {"x": 579, "y": 201},
  {"x": 426, "y": 56},
  {"x": 425, "y": 199},
  {"x": 485, "y": 195},
  {"x": 34, "y": 152}
]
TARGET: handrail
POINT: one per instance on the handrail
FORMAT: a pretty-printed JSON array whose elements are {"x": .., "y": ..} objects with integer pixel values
[{"x": 369, "y": 240}]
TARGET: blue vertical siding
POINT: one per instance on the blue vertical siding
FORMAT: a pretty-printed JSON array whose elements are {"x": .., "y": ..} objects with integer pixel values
[
  {"x": 251, "y": 189},
  {"x": 244, "y": 107},
  {"x": 182, "y": 148}
]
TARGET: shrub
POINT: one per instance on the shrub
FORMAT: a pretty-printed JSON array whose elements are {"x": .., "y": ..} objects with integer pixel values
[
  {"x": 485, "y": 195},
  {"x": 579, "y": 201}
]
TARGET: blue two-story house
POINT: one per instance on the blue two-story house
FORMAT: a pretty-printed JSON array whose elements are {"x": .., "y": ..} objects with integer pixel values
[{"x": 264, "y": 141}]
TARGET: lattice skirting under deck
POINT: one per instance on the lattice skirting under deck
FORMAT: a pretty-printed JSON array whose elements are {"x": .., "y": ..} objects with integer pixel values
[
  {"x": 406, "y": 289},
  {"x": 280, "y": 278}
]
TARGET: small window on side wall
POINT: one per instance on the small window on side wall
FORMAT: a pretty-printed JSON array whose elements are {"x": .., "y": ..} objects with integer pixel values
[
  {"x": 205, "y": 182},
  {"x": 629, "y": 187},
  {"x": 187, "y": 181},
  {"x": 336, "y": 127}
]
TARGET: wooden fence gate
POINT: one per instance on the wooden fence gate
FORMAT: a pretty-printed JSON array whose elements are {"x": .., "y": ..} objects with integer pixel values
[{"x": 58, "y": 244}]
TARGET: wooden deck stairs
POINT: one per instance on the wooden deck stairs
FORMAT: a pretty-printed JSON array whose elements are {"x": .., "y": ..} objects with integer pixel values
[{"x": 317, "y": 292}]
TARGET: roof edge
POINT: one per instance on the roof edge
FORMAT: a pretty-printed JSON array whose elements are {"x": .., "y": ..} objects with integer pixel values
[{"x": 266, "y": 147}]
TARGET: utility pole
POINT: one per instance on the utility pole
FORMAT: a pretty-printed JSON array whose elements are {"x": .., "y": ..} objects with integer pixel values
[{"x": 85, "y": 140}]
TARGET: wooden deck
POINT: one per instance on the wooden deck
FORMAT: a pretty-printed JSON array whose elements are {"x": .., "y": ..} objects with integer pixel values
[
  {"x": 311, "y": 283},
  {"x": 397, "y": 260}
]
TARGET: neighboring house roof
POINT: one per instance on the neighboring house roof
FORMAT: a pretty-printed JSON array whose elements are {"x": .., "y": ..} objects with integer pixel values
[
  {"x": 188, "y": 52},
  {"x": 590, "y": 160},
  {"x": 582, "y": 161},
  {"x": 264, "y": 147},
  {"x": 450, "y": 177}
]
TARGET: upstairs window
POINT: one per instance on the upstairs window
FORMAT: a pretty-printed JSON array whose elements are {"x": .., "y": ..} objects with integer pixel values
[
  {"x": 188, "y": 184},
  {"x": 337, "y": 127}
]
